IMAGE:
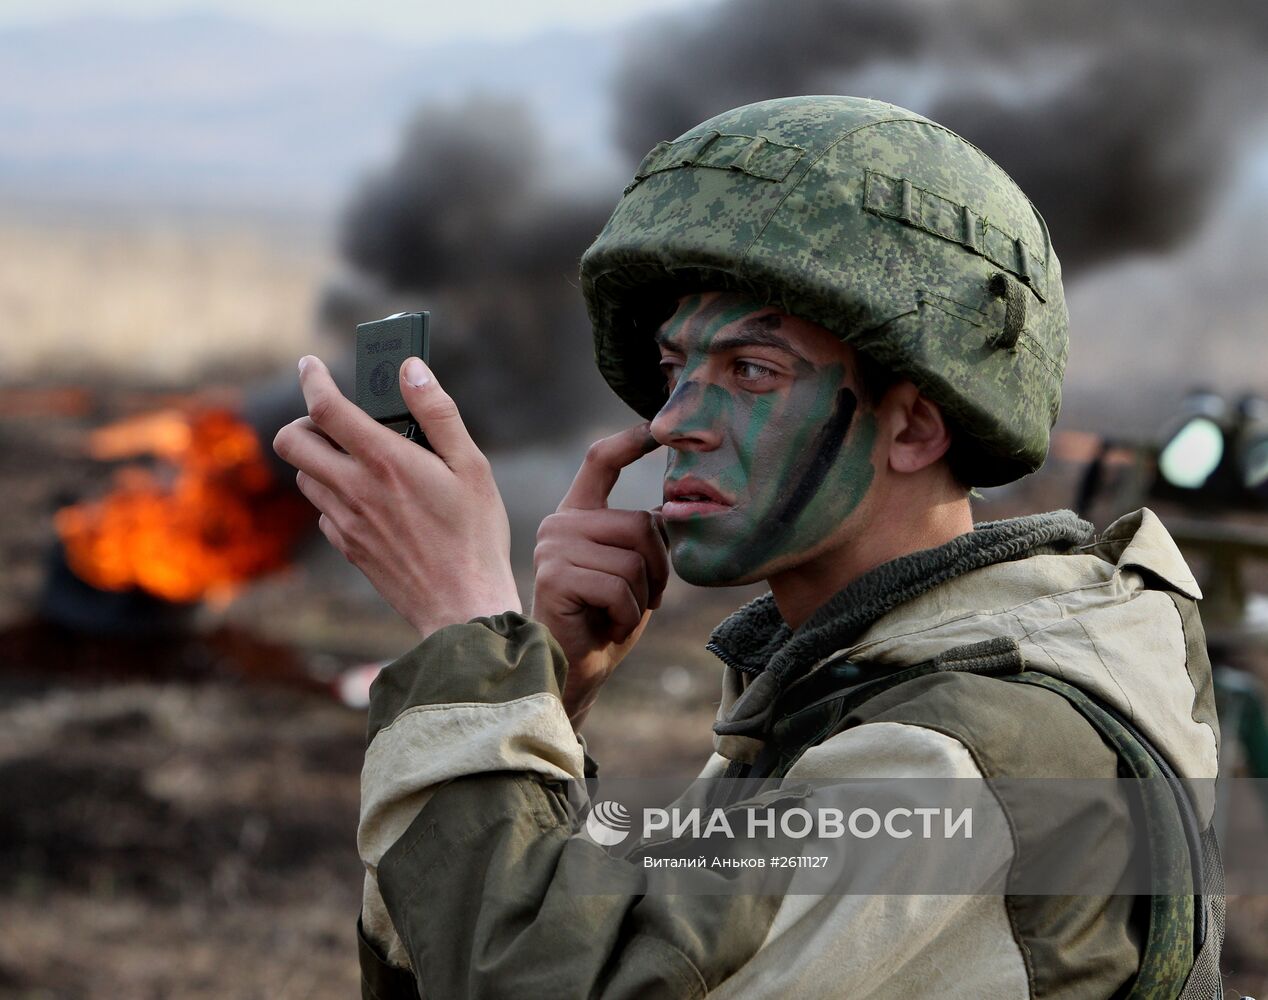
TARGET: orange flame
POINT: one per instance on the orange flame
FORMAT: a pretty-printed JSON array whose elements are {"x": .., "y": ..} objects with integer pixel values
[
  {"x": 207, "y": 520},
  {"x": 165, "y": 434}
]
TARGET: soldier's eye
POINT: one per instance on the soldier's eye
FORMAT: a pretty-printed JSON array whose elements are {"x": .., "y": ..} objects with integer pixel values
[
  {"x": 751, "y": 371},
  {"x": 671, "y": 369}
]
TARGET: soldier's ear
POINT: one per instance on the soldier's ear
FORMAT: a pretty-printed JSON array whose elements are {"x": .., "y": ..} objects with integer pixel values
[{"x": 918, "y": 434}]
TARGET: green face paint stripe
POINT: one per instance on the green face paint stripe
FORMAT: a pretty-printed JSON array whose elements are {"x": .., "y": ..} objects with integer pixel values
[
  {"x": 682, "y": 463},
  {"x": 712, "y": 407},
  {"x": 827, "y": 446},
  {"x": 711, "y": 319},
  {"x": 807, "y": 461},
  {"x": 809, "y": 427},
  {"x": 674, "y": 325},
  {"x": 763, "y": 407},
  {"x": 736, "y": 478},
  {"x": 811, "y": 424},
  {"x": 714, "y": 316},
  {"x": 847, "y": 489},
  {"x": 859, "y": 457},
  {"x": 691, "y": 314},
  {"x": 798, "y": 461},
  {"x": 762, "y": 410},
  {"x": 807, "y": 464},
  {"x": 857, "y": 462},
  {"x": 682, "y": 315},
  {"x": 694, "y": 313}
]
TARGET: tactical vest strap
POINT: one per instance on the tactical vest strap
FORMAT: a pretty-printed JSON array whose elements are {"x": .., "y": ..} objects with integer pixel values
[
  {"x": 812, "y": 711},
  {"x": 1177, "y": 927},
  {"x": 1180, "y": 926}
]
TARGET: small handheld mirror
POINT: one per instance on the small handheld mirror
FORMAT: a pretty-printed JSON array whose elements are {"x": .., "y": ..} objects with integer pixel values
[{"x": 382, "y": 347}]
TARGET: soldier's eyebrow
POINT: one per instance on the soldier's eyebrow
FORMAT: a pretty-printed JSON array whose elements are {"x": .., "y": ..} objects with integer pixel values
[
  {"x": 756, "y": 332},
  {"x": 753, "y": 333}
]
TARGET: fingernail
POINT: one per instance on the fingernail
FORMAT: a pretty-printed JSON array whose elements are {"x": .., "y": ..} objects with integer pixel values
[
  {"x": 416, "y": 372},
  {"x": 303, "y": 363}
]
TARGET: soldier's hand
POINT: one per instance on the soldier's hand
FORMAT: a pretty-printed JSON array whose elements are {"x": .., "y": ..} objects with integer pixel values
[
  {"x": 599, "y": 572},
  {"x": 426, "y": 527}
]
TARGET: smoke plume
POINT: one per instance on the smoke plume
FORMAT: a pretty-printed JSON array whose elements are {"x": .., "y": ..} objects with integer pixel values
[
  {"x": 464, "y": 224},
  {"x": 1119, "y": 120}
]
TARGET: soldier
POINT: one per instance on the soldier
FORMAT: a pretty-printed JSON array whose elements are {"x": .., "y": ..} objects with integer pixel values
[{"x": 837, "y": 316}]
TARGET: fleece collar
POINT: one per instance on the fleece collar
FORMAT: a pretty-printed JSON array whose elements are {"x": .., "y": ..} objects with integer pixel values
[{"x": 755, "y": 640}]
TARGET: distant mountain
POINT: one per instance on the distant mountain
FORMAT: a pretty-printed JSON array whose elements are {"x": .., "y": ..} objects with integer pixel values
[{"x": 205, "y": 109}]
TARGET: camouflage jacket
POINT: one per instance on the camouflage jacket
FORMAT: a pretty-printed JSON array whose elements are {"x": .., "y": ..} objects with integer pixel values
[{"x": 474, "y": 849}]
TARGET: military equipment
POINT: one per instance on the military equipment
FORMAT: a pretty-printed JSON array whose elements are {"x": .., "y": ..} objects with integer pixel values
[
  {"x": 1209, "y": 461},
  {"x": 1211, "y": 458},
  {"x": 382, "y": 347},
  {"x": 1194, "y": 447},
  {"x": 884, "y": 227}
]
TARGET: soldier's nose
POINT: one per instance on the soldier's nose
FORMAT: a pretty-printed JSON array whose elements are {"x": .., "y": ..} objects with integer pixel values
[{"x": 684, "y": 421}]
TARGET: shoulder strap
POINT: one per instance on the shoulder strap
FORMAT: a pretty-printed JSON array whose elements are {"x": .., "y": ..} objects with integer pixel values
[
  {"x": 815, "y": 709},
  {"x": 1181, "y": 926},
  {"x": 1177, "y": 923}
]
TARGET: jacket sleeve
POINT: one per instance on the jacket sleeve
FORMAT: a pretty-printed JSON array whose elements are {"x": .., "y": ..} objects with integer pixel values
[
  {"x": 480, "y": 885},
  {"x": 477, "y": 880}
]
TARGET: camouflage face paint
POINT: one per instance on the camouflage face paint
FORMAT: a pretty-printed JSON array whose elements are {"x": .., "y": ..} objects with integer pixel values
[{"x": 788, "y": 456}]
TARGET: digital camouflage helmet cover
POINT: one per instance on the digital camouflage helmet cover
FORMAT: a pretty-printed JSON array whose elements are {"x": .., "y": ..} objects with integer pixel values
[{"x": 884, "y": 227}]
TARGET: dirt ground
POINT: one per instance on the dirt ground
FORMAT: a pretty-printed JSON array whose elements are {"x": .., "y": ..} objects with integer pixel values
[{"x": 178, "y": 812}]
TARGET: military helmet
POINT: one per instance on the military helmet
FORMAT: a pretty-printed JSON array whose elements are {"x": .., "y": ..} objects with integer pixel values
[{"x": 884, "y": 227}]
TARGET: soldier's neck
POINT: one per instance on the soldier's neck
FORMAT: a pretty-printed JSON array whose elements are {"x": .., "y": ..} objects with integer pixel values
[{"x": 895, "y": 528}]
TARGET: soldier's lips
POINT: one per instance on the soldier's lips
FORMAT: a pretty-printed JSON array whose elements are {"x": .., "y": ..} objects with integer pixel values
[
  {"x": 680, "y": 510},
  {"x": 692, "y": 497}
]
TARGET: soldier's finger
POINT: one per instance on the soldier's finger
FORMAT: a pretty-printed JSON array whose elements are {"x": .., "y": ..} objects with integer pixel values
[
  {"x": 632, "y": 530},
  {"x": 661, "y": 576},
  {"x": 308, "y": 425},
  {"x": 625, "y": 563},
  {"x": 437, "y": 415},
  {"x": 302, "y": 444},
  {"x": 603, "y": 464},
  {"x": 637, "y": 530},
  {"x": 336, "y": 416},
  {"x": 611, "y": 594},
  {"x": 317, "y": 493},
  {"x": 627, "y": 529},
  {"x": 333, "y": 535}
]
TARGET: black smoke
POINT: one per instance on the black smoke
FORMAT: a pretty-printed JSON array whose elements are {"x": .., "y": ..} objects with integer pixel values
[
  {"x": 1120, "y": 120},
  {"x": 464, "y": 223}
]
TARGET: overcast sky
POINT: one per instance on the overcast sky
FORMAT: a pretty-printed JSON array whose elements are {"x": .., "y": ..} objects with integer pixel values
[{"x": 428, "y": 21}]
